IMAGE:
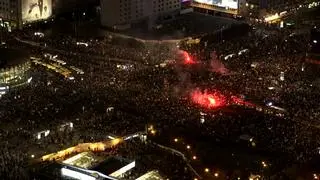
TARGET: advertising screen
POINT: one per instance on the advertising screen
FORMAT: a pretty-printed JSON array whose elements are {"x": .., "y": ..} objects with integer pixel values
[
  {"x": 33, "y": 10},
  {"x": 232, "y": 4}
]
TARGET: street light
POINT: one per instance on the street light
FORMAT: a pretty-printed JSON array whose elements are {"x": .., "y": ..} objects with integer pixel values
[{"x": 264, "y": 164}]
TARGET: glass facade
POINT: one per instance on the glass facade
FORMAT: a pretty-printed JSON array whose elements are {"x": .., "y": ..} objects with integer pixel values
[{"x": 15, "y": 76}]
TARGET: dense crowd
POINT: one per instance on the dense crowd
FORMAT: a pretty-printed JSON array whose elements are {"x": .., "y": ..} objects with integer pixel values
[{"x": 108, "y": 100}]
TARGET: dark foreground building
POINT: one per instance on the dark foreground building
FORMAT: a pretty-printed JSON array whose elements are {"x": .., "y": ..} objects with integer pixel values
[{"x": 14, "y": 69}]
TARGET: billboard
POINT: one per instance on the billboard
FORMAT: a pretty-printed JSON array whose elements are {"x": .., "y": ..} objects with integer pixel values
[
  {"x": 232, "y": 4},
  {"x": 34, "y": 10}
]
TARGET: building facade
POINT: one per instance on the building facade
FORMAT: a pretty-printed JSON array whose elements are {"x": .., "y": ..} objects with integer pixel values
[
  {"x": 252, "y": 8},
  {"x": 272, "y": 6},
  {"x": 15, "y": 13},
  {"x": 14, "y": 69},
  {"x": 117, "y": 13},
  {"x": 10, "y": 11},
  {"x": 227, "y": 7},
  {"x": 62, "y": 6},
  {"x": 280, "y": 5}
]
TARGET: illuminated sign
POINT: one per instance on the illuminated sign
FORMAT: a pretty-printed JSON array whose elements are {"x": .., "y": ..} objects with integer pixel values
[
  {"x": 33, "y": 10},
  {"x": 232, "y": 4}
]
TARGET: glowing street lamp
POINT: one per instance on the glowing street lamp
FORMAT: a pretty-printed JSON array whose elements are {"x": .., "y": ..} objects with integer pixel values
[
  {"x": 206, "y": 170},
  {"x": 264, "y": 164}
]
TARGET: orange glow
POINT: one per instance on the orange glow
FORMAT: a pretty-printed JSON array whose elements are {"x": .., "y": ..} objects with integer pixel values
[
  {"x": 99, "y": 146},
  {"x": 115, "y": 141}
]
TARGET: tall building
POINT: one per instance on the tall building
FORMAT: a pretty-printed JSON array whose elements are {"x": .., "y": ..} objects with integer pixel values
[
  {"x": 14, "y": 13},
  {"x": 123, "y": 13},
  {"x": 227, "y": 7},
  {"x": 281, "y": 5},
  {"x": 252, "y": 8},
  {"x": 10, "y": 13},
  {"x": 62, "y": 6}
]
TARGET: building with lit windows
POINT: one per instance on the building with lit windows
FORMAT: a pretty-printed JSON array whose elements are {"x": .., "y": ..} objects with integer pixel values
[
  {"x": 14, "y": 69},
  {"x": 10, "y": 13},
  {"x": 271, "y": 7},
  {"x": 63, "y": 6},
  {"x": 280, "y": 5},
  {"x": 252, "y": 8},
  {"x": 227, "y": 7},
  {"x": 120, "y": 14},
  {"x": 15, "y": 13}
]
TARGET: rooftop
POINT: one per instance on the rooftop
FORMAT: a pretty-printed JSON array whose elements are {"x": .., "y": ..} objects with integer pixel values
[
  {"x": 60, "y": 171},
  {"x": 111, "y": 165},
  {"x": 84, "y": 160},
  {"x": 151, "y": 175}
]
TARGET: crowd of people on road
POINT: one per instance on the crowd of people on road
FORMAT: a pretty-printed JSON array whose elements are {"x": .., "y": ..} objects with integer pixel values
[
  {"x": 274, "y": 70},
  {"x": 50, "y": 101},
  {"x": 109, "y": 99},
  {"x": 107, "y": 47}
]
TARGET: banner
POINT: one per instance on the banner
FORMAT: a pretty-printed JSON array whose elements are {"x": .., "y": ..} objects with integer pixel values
[
  {"x": 233, "y": 4},
  {"x": 34, "y": 10}
]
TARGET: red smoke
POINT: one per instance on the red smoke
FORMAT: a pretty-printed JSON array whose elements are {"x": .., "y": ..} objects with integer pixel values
[
  {"x": 217, "y": 66},
  {"x": 187, "y": 58},
  {"x": 241, "y": 102},
  {"x": 208, "y": 100}
]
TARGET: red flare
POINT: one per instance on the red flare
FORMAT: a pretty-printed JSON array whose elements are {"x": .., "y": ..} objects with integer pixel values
[
  {"x": 187, "y": 59},
  {"x": 208, "y": 100}
]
